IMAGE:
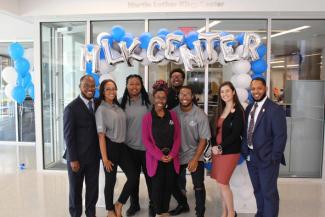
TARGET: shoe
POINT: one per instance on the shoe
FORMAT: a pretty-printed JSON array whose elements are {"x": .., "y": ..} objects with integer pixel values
[
  {"x": 151, "y": 212},
  {"x": 179, "y": 209},
  {"x": 133, "y": 209},
  {"x": 235, "y": 214}
]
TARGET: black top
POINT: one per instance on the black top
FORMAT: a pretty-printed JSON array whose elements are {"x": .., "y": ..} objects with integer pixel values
[
  {"x": 162, "y": 130},
  {"x": 172, "y": 98},
  {"x": 232, "y": 129}
]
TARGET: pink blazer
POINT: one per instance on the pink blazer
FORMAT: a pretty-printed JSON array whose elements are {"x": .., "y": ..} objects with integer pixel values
[{"x": 153, "y": 153}]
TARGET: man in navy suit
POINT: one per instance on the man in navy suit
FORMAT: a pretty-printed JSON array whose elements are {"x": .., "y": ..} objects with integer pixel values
[
  {"x": 82, "y": 152},
  {"x": 263, "y": 146}
]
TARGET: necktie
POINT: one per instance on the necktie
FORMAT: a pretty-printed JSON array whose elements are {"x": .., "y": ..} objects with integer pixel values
[
  {"x": 90, "y": 106},
  {"x": 251, "y": 128}
]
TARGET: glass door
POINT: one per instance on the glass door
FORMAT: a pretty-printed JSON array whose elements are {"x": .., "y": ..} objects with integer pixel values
[{"x": 61, "y": 50}]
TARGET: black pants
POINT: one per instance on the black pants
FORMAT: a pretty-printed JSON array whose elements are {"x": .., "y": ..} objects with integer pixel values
[
  {"x": 119, "y": 154},
  {"x": 139, "y": 161},
  {"x": 199, "y": 188},
  {"x": 88, "y": 172},
  {"x": 162, "y": 186}
]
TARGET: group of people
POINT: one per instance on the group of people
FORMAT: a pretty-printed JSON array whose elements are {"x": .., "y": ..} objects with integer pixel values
[{"x": 164, "y": 136}]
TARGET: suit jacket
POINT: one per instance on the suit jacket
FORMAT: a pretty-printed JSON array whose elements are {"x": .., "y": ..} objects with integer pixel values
[
  {"x": 270, "y": 133},
  {"x": 232, "y": 129},
  {"x": 153, "y": 153},
  {"x": 80, "y": 133}
]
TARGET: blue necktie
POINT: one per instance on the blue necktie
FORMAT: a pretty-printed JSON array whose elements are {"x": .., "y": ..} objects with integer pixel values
[
  {"x": 90, "y": 106},
  {"x": 251, "y": 128}
]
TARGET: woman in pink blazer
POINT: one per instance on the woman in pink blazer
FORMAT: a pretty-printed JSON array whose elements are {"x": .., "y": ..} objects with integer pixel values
[{"x": 162, "y": 138}]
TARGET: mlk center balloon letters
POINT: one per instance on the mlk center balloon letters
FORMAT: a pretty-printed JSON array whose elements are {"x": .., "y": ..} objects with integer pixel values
[{"x": 194, "y": 50}]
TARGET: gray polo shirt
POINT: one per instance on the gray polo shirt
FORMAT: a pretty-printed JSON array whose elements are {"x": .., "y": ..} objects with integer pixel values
[
  {"x": 134, "y": 114},
  {"x": 111, "y": 120},
  {"x": 194, "y": 126}
]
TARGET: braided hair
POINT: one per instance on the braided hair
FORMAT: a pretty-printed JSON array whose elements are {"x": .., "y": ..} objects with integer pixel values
[{"x": 126, "y": 96}]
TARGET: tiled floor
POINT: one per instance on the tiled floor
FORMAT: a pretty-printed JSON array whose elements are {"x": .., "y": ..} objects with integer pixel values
[{"x": 28, "y": 193}]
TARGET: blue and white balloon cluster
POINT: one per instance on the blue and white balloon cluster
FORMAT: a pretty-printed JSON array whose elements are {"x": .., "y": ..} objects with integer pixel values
[
  {"x": 18, "y": 78},
  {"x": 193, "y": 50},
  {"x": 243, "y": 71}
]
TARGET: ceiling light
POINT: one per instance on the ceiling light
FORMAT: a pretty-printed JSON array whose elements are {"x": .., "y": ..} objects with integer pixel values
[
  {"x": 290, "y": 31},
  {"x": 210, "y": 25},
  {"x": 279, "y": 61},
  {"x": 293, "y": 66}
]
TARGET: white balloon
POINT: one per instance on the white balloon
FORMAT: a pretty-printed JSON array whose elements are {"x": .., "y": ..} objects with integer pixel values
[
  {"x": 104, "y": 67},
  {"x": 242, "y": 94},
  {"x": 243, "y": 81},
  {"x": 221, "y": 59},
  {"x": 241, "y": 66},
  {"x": 8, "y": 90},
  {"x": 9, "y": 74},
  {"x": 233, "y": 80},
  {"x": 239, "y": 50},
  {"x": 244, "y": 104},
  {"x": 106, "y": 76},
  {"x": 99, "y": 37}
]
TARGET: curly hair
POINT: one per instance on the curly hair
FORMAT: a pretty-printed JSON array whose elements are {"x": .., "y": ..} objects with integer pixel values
[{"x": 160, "y": 85}]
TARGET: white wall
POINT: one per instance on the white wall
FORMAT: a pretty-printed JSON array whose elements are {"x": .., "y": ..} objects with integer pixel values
[
  {"x": 15, "y": 29},
  {"x": 11, "y": 6},
  {"x": 80, "y": 7}
]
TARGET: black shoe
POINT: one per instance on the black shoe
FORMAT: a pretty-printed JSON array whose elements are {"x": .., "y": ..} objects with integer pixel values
[
  {"x": 151, "y": 212},
  {"x": 132, "y": 210},
  {"x": 179, "y": 209},
  {"x": 235, "y": 214}
]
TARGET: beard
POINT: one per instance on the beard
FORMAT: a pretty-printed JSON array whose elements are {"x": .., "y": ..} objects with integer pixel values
[{"x": 259, "y": 100}]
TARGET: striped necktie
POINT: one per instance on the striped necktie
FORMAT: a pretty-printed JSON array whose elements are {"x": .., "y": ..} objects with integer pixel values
[{"x": 251, "y": 128}]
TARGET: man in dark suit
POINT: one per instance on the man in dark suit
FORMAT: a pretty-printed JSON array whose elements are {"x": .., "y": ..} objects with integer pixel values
[
  {"x": 263, "y": 146},
  {"x": 82, "y": 152}
]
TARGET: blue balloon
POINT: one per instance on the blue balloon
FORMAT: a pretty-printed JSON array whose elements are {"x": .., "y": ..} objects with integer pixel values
[
  {"x": 250, "y": 97},
  {"x": 97, "y": 93},
  {"x": 27, "y": 80},
  {"x": 109, "y": 38},
  {"x": 128, "y": 38},
  {"x": 178, "y": 44},
  {"x": 240, "y": 38},
  {"x": 208, "y": 165},
  {"x": 101, "y": 53},
  {"x": 89, "y": 67},
  {"x": 20, "y": 80},
  {"x": 163, "y": 31},
  {"x": 22, "y": 66},
  {"x": 16, "y": 50},
  {"x": 96, "y": 78},
  {"x": 190, "y": 38},
  {"x": 18, "y": 94},
  {"x": 241, "y": 160},
  {"x": 259, "y": 66},
  {"x": 258, "y": 76},
  {"x": 118, "y": 33},
  {"x": 90, "y": 47},
  {"x": 30, "y": 91},
  {"x": 145, "y": 38},
  {"x": 261, "y": 50}
]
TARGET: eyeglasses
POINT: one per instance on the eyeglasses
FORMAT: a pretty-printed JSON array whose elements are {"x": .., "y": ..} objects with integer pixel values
[{"x": 110, "y": 89}]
